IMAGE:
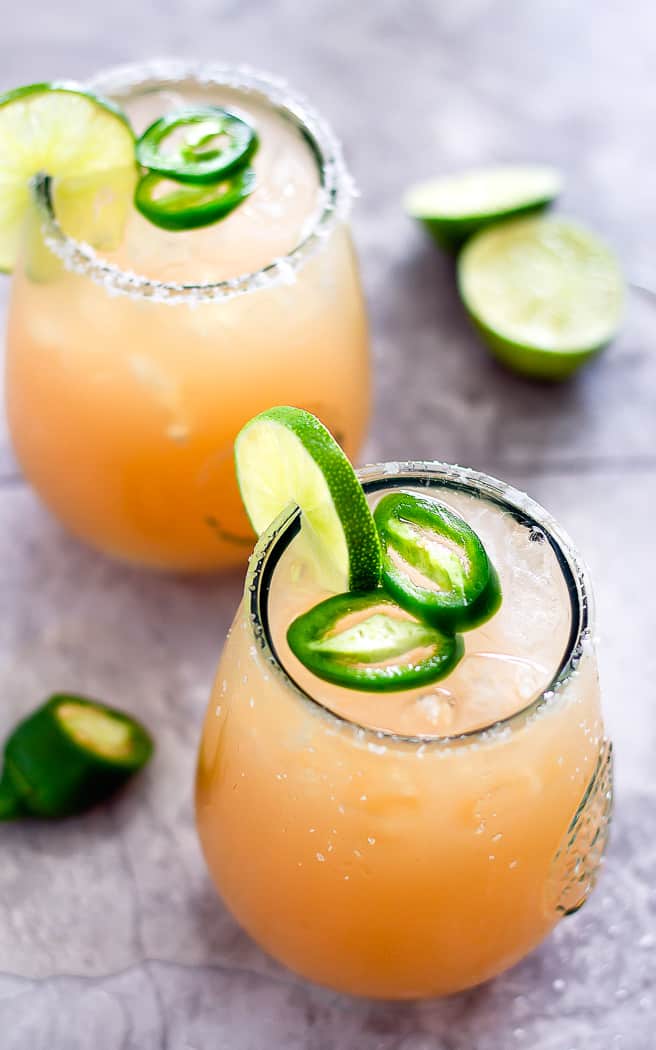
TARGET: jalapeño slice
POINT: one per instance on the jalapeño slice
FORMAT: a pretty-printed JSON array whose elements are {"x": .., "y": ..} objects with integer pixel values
[
  {"x": 206, "y": 144},
  {"x": 367, "y": 641},
  {"x": 434, "y": 564},
  {"x": 186, "y": 207},
  {"x": 68, "y": 755}
]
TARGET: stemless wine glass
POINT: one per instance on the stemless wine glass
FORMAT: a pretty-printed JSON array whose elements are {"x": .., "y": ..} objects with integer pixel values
[
  {"x": 125, "y": 393},
  {"x": 397, "y": 866}
]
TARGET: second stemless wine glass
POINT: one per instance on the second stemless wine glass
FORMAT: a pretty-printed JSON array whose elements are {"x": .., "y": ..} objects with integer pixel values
[
  {"x": 125, "y": 392},
  {"x": 400, "y": 866}
]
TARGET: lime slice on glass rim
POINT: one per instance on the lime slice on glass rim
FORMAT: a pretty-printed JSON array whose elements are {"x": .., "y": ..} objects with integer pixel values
[
  {"x": 285, "y": 455},
  {"x": 546, "y": 294},
  {"x": 454, "y": 207},
  {"x": 62, "y": 131}
]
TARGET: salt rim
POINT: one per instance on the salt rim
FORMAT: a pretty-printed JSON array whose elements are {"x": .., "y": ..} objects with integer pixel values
[
  {"x": 409, "y": 472},
  {"x": 337, "y": 187}
]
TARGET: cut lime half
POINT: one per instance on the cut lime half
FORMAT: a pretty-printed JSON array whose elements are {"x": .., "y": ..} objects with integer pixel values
[
  {"x": 546, "y": 294},
  {"x": 456, "y": 206},
  {"x": 58, "y": 130},
  {"x": 285, "y": 455}
]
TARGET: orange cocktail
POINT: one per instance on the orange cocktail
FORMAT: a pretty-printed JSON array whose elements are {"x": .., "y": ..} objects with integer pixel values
[
  {"x": 131, "y": 368},
  {"x": 413, "y": 843}
]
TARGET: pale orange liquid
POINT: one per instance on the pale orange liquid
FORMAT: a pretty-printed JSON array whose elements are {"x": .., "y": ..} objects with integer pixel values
[
  {"x": 123, "y": 411},
  {"x": 385, "y": 867}
]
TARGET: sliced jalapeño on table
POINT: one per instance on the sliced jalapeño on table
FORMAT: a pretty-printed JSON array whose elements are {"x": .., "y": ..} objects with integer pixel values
[
  {"x": 367, "y": 641},
  {"x": 68, "y": 755},
  {"x": 434, "y": 564}
]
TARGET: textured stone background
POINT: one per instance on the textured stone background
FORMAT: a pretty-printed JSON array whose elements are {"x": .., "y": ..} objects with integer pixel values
[{"x": 109, "y": 934}]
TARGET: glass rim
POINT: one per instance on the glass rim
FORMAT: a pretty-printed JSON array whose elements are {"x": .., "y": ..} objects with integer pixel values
[
  {"x": 423, "y": 473},
  {"x": 335, "y": 183}
]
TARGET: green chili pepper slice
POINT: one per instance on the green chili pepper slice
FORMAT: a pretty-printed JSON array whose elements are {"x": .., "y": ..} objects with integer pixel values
[
  {"x": 187, "y": 207},
  {"x": 68, "y": 755},
  {"x": 434, "y": 564},
  {"x": 367, "y": 641},
  {"x": 208, "y": 144}
]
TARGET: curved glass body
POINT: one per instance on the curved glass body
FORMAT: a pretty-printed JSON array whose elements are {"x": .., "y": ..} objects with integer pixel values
[
  {"x": 125, "y": 393},
  {"x": 395, "y": 866}
]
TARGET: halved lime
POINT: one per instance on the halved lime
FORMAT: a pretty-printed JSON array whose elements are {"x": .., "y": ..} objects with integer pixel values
[
  {"x": 546, "y": 294},
  {"x": 456, "y": 206},
  {"x": 60, "y": 130},
  {"x": 285, "y": 455}
]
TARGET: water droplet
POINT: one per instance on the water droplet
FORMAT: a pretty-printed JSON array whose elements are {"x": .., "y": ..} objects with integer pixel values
[
  {"x": 363, "y": 798},
  {"x": 558, "y": 985},
  {"x": 371, "y": 841},
  {"x": 320, "y": 857}
]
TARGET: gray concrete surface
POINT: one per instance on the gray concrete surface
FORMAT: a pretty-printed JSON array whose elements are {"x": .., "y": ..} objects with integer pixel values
[{"x": 110, "y": 936}]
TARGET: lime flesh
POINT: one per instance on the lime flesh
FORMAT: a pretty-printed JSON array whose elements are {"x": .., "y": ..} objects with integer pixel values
[
  {"x": 546, "y": 294},
  {"x": 62, "y": 131},
  {"x": 454, "y": 207}
]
